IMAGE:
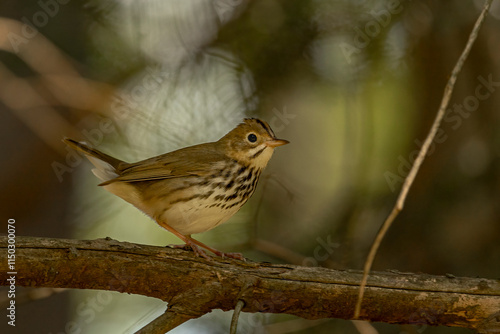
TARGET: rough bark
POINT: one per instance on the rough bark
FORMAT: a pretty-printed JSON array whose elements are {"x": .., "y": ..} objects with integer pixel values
[{"x": 194, "y": 286}]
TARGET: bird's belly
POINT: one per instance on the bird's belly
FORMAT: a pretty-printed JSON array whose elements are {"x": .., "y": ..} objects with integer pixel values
[
  {"x": 194, "y": 205},
  {"x": 198, "y": 215}
]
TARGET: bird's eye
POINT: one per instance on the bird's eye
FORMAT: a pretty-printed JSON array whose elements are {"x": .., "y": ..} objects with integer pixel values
[{"x": 252, "y": 138}]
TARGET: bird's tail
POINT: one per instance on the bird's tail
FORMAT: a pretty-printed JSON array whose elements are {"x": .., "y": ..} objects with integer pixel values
[{"x": 106, "y": 166}]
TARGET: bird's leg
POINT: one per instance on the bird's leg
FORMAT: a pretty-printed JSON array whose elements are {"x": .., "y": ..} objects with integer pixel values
[
  {"x": 237, "y": 256},
  {"x": 188, "y": 240},
  {"x": 195, "y": 245}
]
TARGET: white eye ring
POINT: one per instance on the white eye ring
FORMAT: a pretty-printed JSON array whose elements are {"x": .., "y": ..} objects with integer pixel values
[{"x": 252, "y": 137}]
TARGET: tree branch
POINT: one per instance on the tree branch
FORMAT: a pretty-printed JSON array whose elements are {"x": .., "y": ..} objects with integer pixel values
[{"x": 193, "y": 286}]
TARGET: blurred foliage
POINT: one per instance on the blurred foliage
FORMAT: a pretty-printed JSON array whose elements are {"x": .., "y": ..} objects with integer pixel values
[{"x": 354, "y": 85}]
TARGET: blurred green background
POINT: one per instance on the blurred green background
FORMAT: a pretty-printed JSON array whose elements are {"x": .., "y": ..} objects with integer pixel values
[{"x": 354, "y": 86}]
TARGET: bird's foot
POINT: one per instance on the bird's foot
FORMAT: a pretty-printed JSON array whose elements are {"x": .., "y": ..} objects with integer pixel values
[
  {"x": 237, "y": 256},
  {"x": 192, "y": 246}
]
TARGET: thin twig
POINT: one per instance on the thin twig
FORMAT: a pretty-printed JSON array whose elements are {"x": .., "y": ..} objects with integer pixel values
[
  {"x": 421, "y": 156},
  {"x": 236, "y": 316},
  {"x": 164, "y": 323}
]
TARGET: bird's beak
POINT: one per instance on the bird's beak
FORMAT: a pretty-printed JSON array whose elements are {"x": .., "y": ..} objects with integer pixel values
[{"x": 276, "y": 142}]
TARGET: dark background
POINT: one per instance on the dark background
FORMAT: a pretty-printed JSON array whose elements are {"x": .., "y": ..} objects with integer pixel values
[{"x": 355, "y": 118}]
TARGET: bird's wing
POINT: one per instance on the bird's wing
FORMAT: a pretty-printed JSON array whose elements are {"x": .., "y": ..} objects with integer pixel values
[{"x": 199, "y": 160}]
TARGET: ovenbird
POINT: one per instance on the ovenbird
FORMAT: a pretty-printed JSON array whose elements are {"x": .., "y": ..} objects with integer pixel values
[{"x": 193, "y": 189}]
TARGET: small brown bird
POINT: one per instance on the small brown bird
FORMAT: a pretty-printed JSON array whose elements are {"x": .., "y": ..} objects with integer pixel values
[{"x": 193, "y": 189}]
